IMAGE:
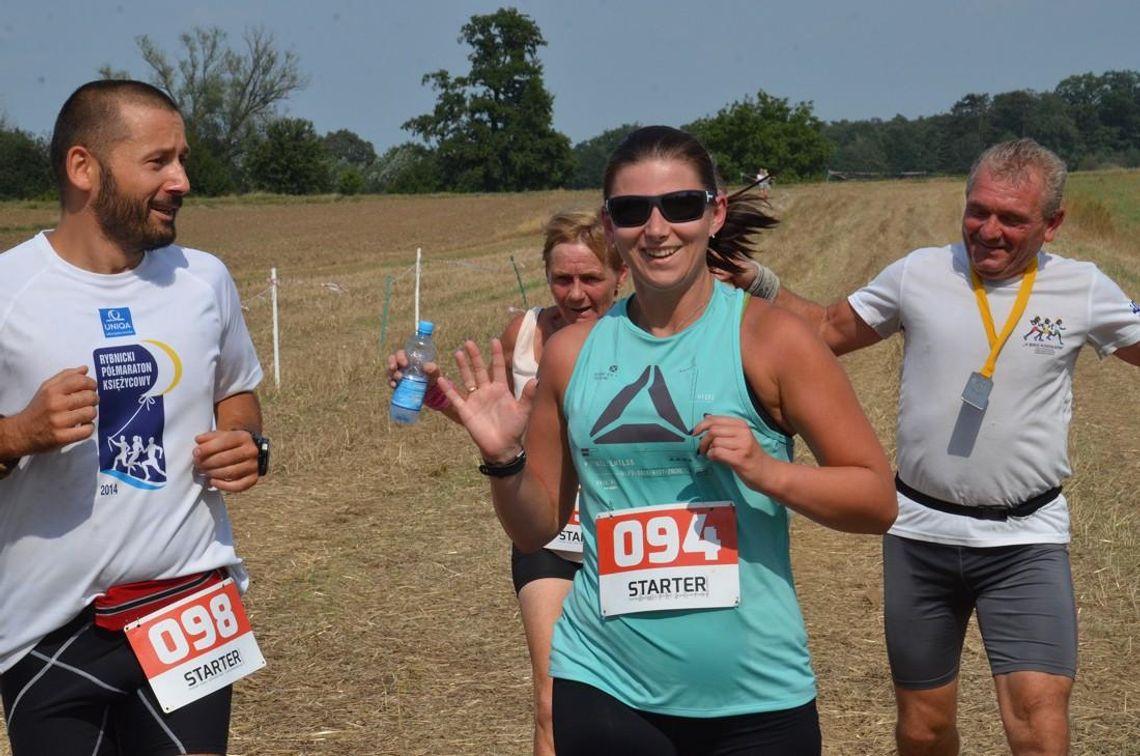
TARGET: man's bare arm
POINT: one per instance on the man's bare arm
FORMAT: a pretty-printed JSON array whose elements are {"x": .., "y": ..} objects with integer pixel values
[
  {"x": 228, "y": 456},
  {"x": 837, "y": 324},
  {"x": 1130, "y": 354}
]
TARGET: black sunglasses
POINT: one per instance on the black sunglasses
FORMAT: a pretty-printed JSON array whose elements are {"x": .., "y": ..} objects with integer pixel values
[{"x": 677, "y": 207}]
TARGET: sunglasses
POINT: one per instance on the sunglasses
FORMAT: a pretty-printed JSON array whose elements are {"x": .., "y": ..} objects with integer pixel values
[{"x": 676, "y": 207}]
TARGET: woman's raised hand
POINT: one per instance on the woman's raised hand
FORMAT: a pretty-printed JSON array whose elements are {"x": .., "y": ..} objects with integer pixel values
[{"x": 485, "y": 404}]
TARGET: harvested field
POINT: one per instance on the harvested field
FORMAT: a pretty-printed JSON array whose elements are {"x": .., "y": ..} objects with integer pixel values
[{"x": 381, "y": 591}]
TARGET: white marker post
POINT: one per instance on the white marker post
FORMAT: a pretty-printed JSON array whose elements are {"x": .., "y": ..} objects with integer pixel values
[
  {"x": 276, "y": 332},
  {"x": 419, "y": 253}
]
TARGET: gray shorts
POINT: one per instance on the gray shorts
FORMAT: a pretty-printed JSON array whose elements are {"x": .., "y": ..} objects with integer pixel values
[{"x": 1023, "y": 595}]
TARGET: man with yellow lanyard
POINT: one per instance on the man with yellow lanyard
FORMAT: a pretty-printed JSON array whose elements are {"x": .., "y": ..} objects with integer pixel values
[{"x": 982, "y": 428}]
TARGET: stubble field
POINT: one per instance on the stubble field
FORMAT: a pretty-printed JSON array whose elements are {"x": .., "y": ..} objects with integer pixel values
[{"x": 381, "y": 593}]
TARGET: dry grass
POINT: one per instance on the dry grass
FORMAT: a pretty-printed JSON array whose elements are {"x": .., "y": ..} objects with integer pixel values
[{"x": 381, "y": 592}]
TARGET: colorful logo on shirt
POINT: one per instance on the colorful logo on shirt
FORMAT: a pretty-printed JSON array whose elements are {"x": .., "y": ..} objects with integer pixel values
[
  {"x": 1045, "y": 331},
  {"x": 116, "y": 322},
  {"x": 133, "y": 381},
  {"x": 668, "y": 427}
]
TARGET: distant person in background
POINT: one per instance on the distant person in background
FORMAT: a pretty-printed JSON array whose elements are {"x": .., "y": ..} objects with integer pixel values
[
  {"x": 982, "y": 429},
  {"x": 682, "y": 633},
  {"x": 109, "y": 330},
  {"x": 584, "y": 274}
]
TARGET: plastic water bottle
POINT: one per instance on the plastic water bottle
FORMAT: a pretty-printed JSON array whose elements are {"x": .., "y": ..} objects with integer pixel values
[{"x": 408, "y": 397}]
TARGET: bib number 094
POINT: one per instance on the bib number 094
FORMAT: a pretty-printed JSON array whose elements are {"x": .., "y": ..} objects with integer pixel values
[
  {"x": 660, "y": 540},
  {"x": 681, "y": 557}
]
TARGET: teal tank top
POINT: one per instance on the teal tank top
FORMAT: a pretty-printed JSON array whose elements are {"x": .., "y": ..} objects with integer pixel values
[{"x": 630, "y": 402}]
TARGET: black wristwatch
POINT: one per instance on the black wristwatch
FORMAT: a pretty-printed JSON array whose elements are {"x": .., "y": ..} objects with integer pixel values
[
  {"x": 8, "y": 466},
  {"x": 262, "y": 444}
]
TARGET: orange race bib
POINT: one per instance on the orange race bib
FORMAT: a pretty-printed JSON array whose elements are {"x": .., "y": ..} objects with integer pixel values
[
  {"x": 671, "y": 556},
  {"x": 195, "y": 646}
]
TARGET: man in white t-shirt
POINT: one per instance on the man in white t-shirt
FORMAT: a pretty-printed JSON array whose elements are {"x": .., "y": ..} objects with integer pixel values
[
  {"x": 992, "y": 328},
  {"x": 127, "y": 405}
]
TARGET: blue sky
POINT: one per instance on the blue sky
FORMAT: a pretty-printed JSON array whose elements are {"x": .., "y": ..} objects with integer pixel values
[{"x": 607, "y": 62}]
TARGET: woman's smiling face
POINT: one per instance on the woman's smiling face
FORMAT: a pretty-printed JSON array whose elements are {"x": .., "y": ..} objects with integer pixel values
[{"x": 662, "y": 254}]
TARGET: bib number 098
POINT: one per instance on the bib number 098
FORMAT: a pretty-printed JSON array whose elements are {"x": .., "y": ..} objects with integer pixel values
[
  {"x": 661, "y": 542},
  {"x": 172, "y": 638}
]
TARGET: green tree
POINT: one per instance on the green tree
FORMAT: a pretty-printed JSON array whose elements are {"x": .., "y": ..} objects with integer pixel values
[
  {"x": 407, "y": 168},
  {"x": 349, "y": 181},
  {"x": 590, "y": 156},
  {"x": 290, "y": 159},
  {"x": 226, "y": 96},
  {"x": 858, "y": 146},
  {"x": 209, "y": 175},
  {"x": 349, "y": 147},
  {"x": 1106, "y": 110},
  {"x": 492, "y": 129},
  {"x": 966, "y": 132},
  {"x": 765, "y": 132},
  {"x": 25, "y": 170},
  {"x": 351, "y": 157},
  {"x": 1012, "y": 114},
  {"x": 908, "y": 145}
]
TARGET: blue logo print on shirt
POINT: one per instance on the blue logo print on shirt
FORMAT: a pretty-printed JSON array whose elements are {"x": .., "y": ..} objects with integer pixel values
[
  {"x": 133, "y": 383},
  {"x": 116, "y": 321}
]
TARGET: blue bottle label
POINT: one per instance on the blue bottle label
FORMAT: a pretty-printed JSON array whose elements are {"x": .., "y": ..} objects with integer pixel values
[{"x": 409, "y": 393}]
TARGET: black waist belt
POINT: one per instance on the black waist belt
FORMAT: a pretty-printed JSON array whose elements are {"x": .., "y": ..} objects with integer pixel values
[{"x": 1024, "y": 509}]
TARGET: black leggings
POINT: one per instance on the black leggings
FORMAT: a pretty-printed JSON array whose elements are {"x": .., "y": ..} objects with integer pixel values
[
  {"x": 81, "y": 691},
  {"x": 543, "y": 563},
  {"x": 588, "y": 722}
]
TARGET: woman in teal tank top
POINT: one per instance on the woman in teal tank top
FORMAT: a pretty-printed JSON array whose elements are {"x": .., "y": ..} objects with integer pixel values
[{"x": 675, "y": 412}]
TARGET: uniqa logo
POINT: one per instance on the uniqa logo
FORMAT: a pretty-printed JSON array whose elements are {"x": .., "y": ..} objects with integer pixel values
[{"x": 116, "y": 321}]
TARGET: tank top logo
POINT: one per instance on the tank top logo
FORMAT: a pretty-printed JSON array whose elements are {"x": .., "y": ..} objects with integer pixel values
[
  {"x": 133, "y": 381},
  {"x": 1135, "y": 307},
  {"x": 669, "y": 427}
]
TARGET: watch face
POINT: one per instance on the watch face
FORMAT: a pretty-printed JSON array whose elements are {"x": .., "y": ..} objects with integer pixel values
[{"x": 262, "y": 453}]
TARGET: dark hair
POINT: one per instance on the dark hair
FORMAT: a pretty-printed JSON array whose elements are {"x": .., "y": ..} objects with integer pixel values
[
  {"x": 91, "y": 117},
  {"x": 747, "y": 209},
  {"x": 660, "y": 143}
]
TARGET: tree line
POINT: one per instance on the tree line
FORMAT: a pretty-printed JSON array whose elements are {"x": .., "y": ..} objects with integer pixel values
[
  {"x": 1091, "y": 121},
  {"x": 491, "y": 128}
]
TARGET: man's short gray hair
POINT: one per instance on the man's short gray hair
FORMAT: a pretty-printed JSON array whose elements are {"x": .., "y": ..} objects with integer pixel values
[{"x": 1012, "y": 160}]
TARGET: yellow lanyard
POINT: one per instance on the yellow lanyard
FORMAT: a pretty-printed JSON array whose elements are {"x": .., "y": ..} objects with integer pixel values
[{"x": 997, "y": 342}]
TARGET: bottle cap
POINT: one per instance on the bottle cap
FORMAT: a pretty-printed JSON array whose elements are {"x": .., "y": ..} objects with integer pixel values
[{"x": 425, "y": 327}]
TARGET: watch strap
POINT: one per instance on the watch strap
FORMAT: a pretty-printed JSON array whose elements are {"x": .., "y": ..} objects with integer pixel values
[{"x": 262, "y": 444}]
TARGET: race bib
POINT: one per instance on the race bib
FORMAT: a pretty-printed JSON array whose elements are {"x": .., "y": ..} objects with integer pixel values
[
  {"x": 672, "y": 556},
  {"x": 568, "y": 542},
  {"x": 195, "y": 646}
]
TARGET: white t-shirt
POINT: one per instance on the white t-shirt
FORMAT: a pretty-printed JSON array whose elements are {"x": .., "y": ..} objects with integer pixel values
[
  {"x": 164, "y": 342},
  {"x": 1017, "y": 448}
]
